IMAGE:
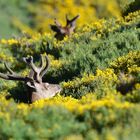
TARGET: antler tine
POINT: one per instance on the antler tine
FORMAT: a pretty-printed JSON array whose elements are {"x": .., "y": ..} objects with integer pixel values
[
  {"x": 67, "y": 17},
  {"x": 13, "y": 76},
  {"x": 29, "y": 61},
  {"x": 67, "y": 20},
  {"x": 35, "y": 72},
  {"x": 42, "y": 63},
  {"x": 72, "y": 21},
  {"x": 4, "y": 76},
  {"x": 75, "y": 18},
  {"x": 57, "y": 23},
  {"x": 47, "y": 64},
  {"x": 8, "y": 68},
  {"x": 31, "y": 74}
]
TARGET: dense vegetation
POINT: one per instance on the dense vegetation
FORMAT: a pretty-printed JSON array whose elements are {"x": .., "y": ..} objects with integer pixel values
[{"x": 98, "y": 68}]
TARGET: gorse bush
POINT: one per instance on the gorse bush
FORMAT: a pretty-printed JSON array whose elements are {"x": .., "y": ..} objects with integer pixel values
[
  {"x": 98, "y": 68},
  {"x": 26, "y": 15},
  {"x": 133, "y": 6},
  {"x": 61, "y": 117},
  {"x": 89, "y": 10},
  {"x": 84, "y": 53}
]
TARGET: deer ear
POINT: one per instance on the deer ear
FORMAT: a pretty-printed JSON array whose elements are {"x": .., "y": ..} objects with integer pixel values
[
  {"x": 54, "y": 28},
  {"x": 30, "y": 85}
]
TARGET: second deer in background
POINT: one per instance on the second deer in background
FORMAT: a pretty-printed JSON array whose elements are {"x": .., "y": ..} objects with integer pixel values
[{"x": 68, "y": 29}]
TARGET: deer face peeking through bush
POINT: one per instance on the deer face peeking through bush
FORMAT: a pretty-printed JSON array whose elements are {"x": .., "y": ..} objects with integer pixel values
[
  {"x": 37, "y": 89},
  {"x": 68, "y": 29}
]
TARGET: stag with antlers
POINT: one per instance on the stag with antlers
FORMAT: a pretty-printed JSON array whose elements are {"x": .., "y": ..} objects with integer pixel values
[
  {"x": 37, "y": 88},
  {"x": 68, "y": 29}
]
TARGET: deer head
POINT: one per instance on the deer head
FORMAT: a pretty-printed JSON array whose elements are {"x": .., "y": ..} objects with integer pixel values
[
  {"x": 68, "y": 29},
  {"x": 37, "y": 89}
]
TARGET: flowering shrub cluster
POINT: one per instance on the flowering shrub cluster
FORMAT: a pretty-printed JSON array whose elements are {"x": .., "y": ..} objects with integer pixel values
[
  {"x": 41, "y": 13},
  {"x": 98, "y": 68},
  {"x": 90, "y": 11}
]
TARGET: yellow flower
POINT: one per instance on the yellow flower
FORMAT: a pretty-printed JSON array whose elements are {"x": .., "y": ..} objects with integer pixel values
[{"x": 3, "y": 41}]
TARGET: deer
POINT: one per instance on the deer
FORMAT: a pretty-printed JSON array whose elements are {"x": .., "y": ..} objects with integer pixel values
[
  {"x": 67, "y": 30},
  {"x": 37, "y": 89}
]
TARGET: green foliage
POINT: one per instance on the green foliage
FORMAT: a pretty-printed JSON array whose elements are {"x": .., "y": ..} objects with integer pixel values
[
  {"x": 98, "y": 68},
  {"x": 56, "y": 122},
  {"x": 9, "y": 10},
  {"x": 87, "y": 57}
]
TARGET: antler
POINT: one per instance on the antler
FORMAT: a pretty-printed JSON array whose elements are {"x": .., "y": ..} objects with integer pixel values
[
  {"x": 72, "y": 21},
  {"x": 37, "y": 72},
  {"x": 36, "y": 88},
  {"x": 57, "y": 23},
  {"x": 46, "y": 64},
  {"x": 13, "y": 76}
]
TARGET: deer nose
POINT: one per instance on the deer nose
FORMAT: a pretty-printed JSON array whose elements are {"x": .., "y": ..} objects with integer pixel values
[{"x": 54, "y": 87}]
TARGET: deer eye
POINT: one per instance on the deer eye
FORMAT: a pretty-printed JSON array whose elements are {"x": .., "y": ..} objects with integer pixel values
[{"x": 46, "y": 85}]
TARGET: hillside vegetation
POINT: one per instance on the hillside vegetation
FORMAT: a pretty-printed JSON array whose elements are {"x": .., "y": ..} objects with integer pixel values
[{"x": 98, "y": 68}]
